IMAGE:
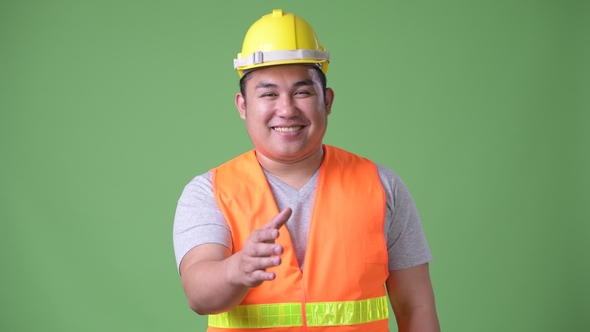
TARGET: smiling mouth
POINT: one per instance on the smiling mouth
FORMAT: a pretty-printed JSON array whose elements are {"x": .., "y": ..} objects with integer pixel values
[{"x": 287, "y": 129}]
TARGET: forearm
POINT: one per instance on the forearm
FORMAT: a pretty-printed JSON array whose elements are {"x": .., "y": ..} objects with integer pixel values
[
  {"x": 417, "y": 319},
  {"x": 215, "y": 280},
  {"x": 412, "y": 299},
  {"x": 208, "y": 287}
]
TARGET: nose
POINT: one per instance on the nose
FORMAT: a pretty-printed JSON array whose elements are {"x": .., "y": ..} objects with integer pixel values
[{"x": 287, "y": 107}]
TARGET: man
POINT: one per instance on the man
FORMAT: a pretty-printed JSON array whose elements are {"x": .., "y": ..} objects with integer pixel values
[{"x": 296, "y": 235}]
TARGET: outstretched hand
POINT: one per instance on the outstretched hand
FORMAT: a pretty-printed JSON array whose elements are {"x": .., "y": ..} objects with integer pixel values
[{"x": 259, "y": 253}]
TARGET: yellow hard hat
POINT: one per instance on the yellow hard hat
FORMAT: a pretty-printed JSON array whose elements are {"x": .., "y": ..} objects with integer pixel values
[{"x": 278, "y": 39}]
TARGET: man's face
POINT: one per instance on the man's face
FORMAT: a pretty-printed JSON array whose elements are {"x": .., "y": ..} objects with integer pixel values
[{"x": 285, "y": 111}]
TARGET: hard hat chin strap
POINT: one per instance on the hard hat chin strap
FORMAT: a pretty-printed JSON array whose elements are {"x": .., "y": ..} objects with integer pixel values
[{"x": 261, "y": 57}]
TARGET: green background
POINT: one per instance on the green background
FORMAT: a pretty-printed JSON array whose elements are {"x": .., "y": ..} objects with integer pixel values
[{"x": 108, "y": 108}]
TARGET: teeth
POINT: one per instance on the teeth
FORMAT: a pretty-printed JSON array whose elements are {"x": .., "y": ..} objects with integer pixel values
[{"x": 287, "y": 129}]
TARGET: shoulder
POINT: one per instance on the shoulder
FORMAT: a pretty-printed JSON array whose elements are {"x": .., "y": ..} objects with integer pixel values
[
  {"x": 397, "y": 193},
  {"x": 198, "y": 187},
  {"x": 392, "y": 183}
]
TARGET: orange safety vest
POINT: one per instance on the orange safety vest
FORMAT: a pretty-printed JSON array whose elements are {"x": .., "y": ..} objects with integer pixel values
[{"x": 342, "y": 285}]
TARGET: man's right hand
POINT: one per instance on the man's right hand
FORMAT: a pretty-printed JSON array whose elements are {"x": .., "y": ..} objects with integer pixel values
[
  {"x": 259, "y": 253},
  {"x": 215, "y": 281}
]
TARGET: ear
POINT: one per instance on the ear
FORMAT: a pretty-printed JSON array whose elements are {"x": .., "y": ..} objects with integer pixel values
[
  {"x": 328, "y": 100},
  {"x": 241, "y": 105}
]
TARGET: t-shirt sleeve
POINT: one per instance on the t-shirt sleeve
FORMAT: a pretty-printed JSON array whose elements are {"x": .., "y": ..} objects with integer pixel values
[
  {"x": 406, "y": 243},
  {"x": 198, "y": 219}
]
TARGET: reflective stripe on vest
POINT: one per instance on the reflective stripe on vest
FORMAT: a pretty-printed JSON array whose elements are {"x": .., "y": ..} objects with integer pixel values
[{"x": 289, "y": 314}]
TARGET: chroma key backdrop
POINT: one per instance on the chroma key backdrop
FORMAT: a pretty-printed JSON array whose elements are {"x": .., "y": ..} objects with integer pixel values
[{"x": 109, "y": 108}]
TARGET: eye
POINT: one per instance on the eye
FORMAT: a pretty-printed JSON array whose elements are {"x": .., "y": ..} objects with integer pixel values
[
  {"x": 269, "y": 94},
  {"x": 303, "y": 92}
]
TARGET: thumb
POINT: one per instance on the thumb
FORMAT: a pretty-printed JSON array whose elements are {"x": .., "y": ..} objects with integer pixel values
[{"x": 279, "y": 220}]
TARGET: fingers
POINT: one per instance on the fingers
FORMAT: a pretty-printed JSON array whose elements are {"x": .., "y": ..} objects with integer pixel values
[
  {"x": 253, "y": 269},
  {"x": 253, "y": 264},
  {"x": 279, "y": 220},
  {"x": 262, "y": 249},
  {"x": 258, "y": 277},
  {"x": 269, "y": 232},
  {"x": 260, "y": 252},
  {"x": 268, "y": 235}
]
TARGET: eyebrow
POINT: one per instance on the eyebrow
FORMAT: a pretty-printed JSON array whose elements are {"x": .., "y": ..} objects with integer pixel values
[
  {"x": 263, "y": 85},
  {"x": 304, "y": 82}
]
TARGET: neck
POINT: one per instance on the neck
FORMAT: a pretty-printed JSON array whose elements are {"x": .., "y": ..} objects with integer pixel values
[{"x": 295, "y": 174}]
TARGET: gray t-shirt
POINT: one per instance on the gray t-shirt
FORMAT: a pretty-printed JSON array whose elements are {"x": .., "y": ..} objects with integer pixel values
[{"x": 199, "y": 220}]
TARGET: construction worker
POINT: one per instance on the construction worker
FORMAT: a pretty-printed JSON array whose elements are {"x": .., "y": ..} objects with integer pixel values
[{"x": 296, "y": 235}]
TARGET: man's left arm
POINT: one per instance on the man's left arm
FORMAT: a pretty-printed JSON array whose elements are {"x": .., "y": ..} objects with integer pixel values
[{"x": 412, "y": 299}]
